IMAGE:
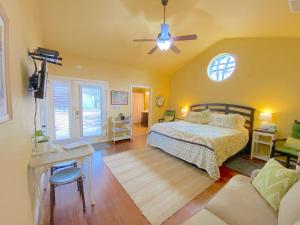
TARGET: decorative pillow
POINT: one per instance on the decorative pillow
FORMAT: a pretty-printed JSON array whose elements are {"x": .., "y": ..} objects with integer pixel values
[
  {"x": 233, "y": 121},
  {"x": 168, "y": 118},
  {"x": 273, "y": 181},
  {"x": 190, "y": 117},
  {"x": 296, "y": 130},
  {"x": 293, "y": 143},
  {"x": 202, "y": 117}
]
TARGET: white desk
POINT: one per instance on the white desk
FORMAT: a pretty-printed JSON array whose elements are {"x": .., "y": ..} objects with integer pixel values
[{"x": 40, "y": 164}]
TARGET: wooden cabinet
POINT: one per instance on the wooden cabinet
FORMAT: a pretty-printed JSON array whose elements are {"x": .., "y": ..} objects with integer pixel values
[
  {"x": 262, "y": 144},
  {"x": 144, "y": 119}
]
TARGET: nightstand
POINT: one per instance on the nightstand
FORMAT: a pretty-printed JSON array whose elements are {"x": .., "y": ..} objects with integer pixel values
[{"x": 262, "y": 143}]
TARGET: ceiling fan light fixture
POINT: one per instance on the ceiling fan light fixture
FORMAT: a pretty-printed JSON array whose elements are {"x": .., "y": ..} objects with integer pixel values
[
  {"x": 164, "y": 40},
  {"x": 164, "y": 45}
]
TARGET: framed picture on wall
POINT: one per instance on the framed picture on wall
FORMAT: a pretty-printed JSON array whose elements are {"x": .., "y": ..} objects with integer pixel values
[
  {"x": 5, "y": 107},
  {"x": 119, "y": 97}
]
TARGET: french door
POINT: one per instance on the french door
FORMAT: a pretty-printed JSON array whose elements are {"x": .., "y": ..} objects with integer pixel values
[{"x": 76, "y": 109}]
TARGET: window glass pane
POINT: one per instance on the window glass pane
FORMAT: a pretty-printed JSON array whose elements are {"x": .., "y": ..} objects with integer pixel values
[
  {"x": 91, "y": 110},
  {"x": 61, "y": 106},
  {"x": 221, "y": 67}
]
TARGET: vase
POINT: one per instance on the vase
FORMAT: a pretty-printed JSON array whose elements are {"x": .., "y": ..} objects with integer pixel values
[{"x": 41, "y": 147}]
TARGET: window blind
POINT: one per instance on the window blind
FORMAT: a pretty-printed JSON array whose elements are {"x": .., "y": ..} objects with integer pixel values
[{"x": 61, "y": 107}]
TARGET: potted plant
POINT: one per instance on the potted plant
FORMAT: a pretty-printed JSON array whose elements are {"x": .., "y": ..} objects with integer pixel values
[
  {"x": 40, "y": 141},
  {"x": 122, "y": 117}
]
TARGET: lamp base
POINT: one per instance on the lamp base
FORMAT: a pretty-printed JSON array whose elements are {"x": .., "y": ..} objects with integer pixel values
[{"x": 268, "y": 127}]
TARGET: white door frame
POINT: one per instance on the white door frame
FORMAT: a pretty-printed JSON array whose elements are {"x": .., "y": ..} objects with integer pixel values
[
  {"x": 150, "y": 103},
  {"x": 105, "y": 83}
]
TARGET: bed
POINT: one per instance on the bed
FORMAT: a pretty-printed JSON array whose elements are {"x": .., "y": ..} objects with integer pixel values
[{"x": 204, "y": 145}]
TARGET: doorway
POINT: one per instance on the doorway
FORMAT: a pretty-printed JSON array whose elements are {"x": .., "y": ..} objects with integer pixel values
[
  {"x": 76, "y": 109},
  {"x": 141, "y": 109}
]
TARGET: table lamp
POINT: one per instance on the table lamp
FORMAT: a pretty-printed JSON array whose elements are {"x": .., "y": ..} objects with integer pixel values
[
  {"x": 184, "y": 111},
  {"x": 266, "y": 118}
]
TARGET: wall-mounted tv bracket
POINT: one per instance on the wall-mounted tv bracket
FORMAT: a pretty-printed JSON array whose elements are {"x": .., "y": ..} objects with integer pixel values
[{"x": 43, "y": 54}]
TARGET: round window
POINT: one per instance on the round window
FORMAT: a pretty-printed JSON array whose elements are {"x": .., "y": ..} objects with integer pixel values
[{"x": 221, "y": 67}]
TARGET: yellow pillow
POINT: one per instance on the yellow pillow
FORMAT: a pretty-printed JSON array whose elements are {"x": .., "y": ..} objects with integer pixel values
[
  {"x": 273, "y": 181},
  {"x": 293, "y": 143},
  {"x": 202, "y": 117},
  {"x": 233, "y": 121},
  {"x": 168, "y": 118}
]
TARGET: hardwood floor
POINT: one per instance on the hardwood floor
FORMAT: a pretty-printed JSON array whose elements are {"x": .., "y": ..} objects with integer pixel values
[
  {"x": 138, "y": 129},
  {"x": 113, "y": 205}
]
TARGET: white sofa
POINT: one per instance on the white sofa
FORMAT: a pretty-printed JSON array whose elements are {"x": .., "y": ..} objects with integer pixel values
[{"x": 238, "y": 203}]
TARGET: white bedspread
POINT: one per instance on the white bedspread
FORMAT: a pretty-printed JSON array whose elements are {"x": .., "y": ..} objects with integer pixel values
[{"x": 215, "y": 144}]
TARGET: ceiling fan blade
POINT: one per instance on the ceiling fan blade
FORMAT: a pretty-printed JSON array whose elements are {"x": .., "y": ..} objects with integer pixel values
[
  {"x": 185, "y": 37},
  {"x": 152, "y": 50},
  {"x": 175, "y": 49},
  {"x": 142, "y": 40}
]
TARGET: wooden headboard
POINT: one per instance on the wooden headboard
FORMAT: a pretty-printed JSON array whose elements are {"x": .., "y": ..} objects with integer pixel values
[{"x": 244, "y": 111}]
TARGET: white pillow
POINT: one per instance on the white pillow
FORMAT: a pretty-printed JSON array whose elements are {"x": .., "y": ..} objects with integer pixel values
[
  {"x": 202, "y": 117},
  {"x": 233, "y": 121}
]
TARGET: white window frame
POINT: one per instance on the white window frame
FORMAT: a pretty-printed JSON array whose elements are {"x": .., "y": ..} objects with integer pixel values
[
  {"x": 211, "y": 64},
  {"x": 75, "y": 130},
  {"x": 78, "y": 105}
]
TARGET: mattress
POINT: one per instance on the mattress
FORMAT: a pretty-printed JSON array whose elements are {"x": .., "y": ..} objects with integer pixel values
[{"x": 203, "y": 145}]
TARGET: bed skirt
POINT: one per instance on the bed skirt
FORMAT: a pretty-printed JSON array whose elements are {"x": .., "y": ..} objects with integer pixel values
[{"x": 198, "y": 155}]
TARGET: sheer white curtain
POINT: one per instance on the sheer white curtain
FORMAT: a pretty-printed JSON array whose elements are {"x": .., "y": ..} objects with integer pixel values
[{"x": 138, "y": 101}]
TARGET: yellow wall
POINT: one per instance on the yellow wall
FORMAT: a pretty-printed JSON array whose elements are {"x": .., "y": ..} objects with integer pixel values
[
  {"x": 147, "y": 100},
  {"x": 267, "y": 78},
  {"x": 15, "y": 135},
  {"x": 118, "y": 78}
]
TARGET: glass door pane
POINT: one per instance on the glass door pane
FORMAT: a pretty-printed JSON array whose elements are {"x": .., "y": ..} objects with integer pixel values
[
  {"x": 91, "y": 110},
  {"x": 61, "y": 108}
]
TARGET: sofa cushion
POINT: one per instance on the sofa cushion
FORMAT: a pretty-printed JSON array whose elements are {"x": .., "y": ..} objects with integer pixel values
[
  {"x": 293, "y": 143},
  {"x": 204, "y": 217},
  {"x": 291, "y": 151},
  {"x": 289, "y": 209},
  {"x": 238, "y": 203},
  {"x": 273, "y": 181}
]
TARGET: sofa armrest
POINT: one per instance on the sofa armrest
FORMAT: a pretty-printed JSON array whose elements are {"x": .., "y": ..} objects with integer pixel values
[{"x": 254, "y": 174}]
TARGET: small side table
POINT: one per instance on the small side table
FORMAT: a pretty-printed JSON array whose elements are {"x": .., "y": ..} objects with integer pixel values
[{"x": 262, "y": 137}]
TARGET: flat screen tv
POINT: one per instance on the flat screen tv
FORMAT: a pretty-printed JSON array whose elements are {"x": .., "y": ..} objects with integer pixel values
[{"x": 42, "y": 82}]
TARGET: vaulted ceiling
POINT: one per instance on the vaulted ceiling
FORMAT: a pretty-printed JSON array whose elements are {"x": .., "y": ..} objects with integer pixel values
[{"x": 104, "y": 29}]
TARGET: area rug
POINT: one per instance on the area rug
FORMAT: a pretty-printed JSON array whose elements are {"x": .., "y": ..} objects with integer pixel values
[
  {"x": 244, "y": 166},
  {"x": 158, "y": 183}
]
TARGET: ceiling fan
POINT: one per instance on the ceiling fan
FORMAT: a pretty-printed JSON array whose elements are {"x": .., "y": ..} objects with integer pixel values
[{"x": 164, "y": 40}]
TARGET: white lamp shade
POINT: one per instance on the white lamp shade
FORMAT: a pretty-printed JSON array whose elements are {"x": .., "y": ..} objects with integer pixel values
[
  {"x": 265, "y": 117},
  {"x": 184, "y": 110},
  {"x": 164, "y": 45}
]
